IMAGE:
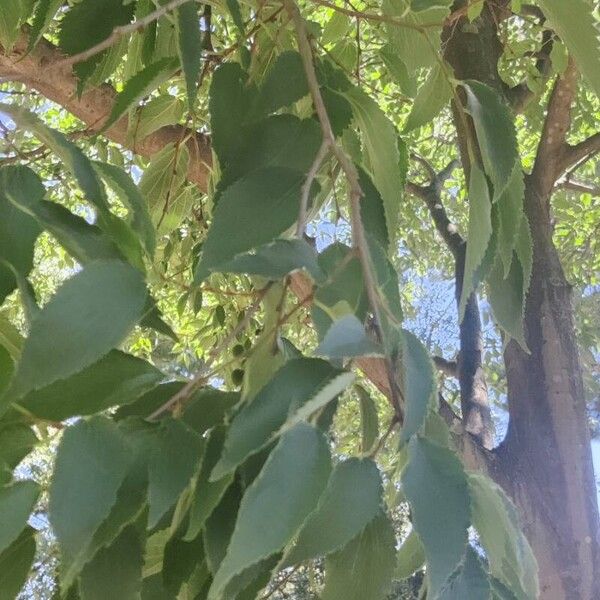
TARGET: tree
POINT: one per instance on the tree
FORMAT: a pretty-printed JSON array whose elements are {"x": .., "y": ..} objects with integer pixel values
[{"x": 168, "y": 159}]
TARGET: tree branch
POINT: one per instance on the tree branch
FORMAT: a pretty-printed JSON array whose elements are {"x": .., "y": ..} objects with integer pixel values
[
  {"x": 546, "y": 168},
  {"x": 577, "y": 186},
  {"x": 38, "y": 71},
  {"x": 573, "y": 155}
]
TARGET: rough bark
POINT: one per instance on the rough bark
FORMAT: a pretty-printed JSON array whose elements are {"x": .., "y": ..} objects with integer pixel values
[{"x": 545, "y": 461}]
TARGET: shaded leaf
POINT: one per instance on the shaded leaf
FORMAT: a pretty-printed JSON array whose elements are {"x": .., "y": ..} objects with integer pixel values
[
  {"x": 435, "y": 485},
  {"x": 365, "y": 567},
  {"x": 16, "y": 442},
  {"x": 16, "y": 503},
  {"x": 189, "y": 45},
  {"x": 347, "y": 338},
  {"x": 15, "y": 564},
  {"x": 351, "y": 500},
  {"x": 470, "y": 581},
  {"x": 292, "y": 386},
  {"x": 158, "y": 112},
  {"x": 90, "y": 314},
  {"x": 116, "y": 379},
  {"x": 369, "y": 421},
  {"x": 411, "y": 556},
  {"x": 277, "y": 503}
]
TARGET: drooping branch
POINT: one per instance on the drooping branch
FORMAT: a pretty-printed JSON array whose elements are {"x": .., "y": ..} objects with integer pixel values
[
  {"x": 476, "y": 412},
  {"x": 38, "y": 71}
]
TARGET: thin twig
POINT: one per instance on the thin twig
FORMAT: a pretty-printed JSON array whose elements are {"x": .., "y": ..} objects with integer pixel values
[
  {"x": 306, "y": 187},
  {"x": 359, "y": 238},
  {"x": 200, "y": 377}
]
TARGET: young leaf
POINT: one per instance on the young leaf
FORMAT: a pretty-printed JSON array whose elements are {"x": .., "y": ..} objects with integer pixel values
[
  {"x": 495, "y": 133},
  {"x": 363, "y": 568},
  {"x": 158, "y": 112},
  {"x": 16, "y": 503},
  {"x": 208, "y": 494},
  {"x": 139, "y": 86},
  {"x": 479, "y": 233},
  {"x": 369, "y": 421},
  {"x": 90, "y": 314},
  {"x": 116, "y": 379},
  {"x": 15, "y": 564},
  {"x": 91, "y": 463},
  {"x": 419, "y": 384},
  {"x": 123, "y": 185},
  {"x": 275, "y": 260},
  {"x": 277, "y": 503},
  {"x": 574, "y": 24},
  {"x": 510, "y": 557},
  {"x": 189, "y": 45},
  {"x": 381, "y": 145},
  {"x": 431, "y": 97},
  {"x": 294, "y": 384},
  {"x": 435, "y": 485},
  {"x": 347, "y": 338},
  {"x": 253, "y": 211},
  {"x": 351, "y": 500}
]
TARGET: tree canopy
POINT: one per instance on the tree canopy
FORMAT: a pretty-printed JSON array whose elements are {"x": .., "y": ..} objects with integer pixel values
[{"x": 285, "y": 299}]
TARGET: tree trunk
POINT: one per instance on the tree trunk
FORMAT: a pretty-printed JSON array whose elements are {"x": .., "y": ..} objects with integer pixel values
[{"x": 545, "y": 460}]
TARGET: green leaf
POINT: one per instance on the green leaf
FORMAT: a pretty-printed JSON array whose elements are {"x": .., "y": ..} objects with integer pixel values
[
  {"x": 275, "y": 260},
  {"x": 163, "y": 178},
  {"x": 253, "y": 211},
  {"x": 189, "y": 45},
  {"x": 90, "y": 314},
  {"x": 419, "y": 384},
  {"x": 419, "y": 5},
  {"x": 431, "y": 97},
  {"x": 147, "y": 403},
  {"x": 132, "y": 198},
  {"x": 510, "y": 557},
  {"x": 495, "y": 133},
  {"x": 208, "y": 494},
  {"x": 479, "y": 233},
  {"x": 11, "y": 16},
  {"x": 45, "y": 11},
  {"x": 10, "y": 337},
  {"x": 207, "y": 408},
  {"x": 380, "y": 143},
  {"x": 506, "y": 297},
  {"x": 18, "y": 233},
  {"x": 347, "y": 338},
  {"x": 336, "y": 28},
  {"x": 575, "y": 25},
  {"x": 92, "y": 461},
  {"x": 158, "y": 112},
  {"x": 229, "y": 101},
  {"x": 471, "y": 581},
  {"x": 277, "y": 141},
  {"x": 510, "y": 216},
  {"x": 7, "y": 368},
  {"x": 369, "y": 421},
  {"x": 284, "y": 84},
  {"x": 435, "y": 485},
  {"x": 175, "y": 455},
  {"x": 351, "y": 500},
  {"x": 277, "y": 502},
  {"x": 411, "y": 556},
  {"x": 372, "y": 212},
  {"x": 16, "y": 442},
  {"x": 88, "y": 23},
  {"x": 115, "y": 571},
  {"x": 294, "y": 384},
  {"x": 180, "y": 559},
  {"x": 16, "y": 503},
  {"x": 364, "y": 568},
  {"x": 115, "y": 380},
  {"x": 15, "y": 564},
  {"x": 398, "y": 70},
  {"x": 139, "y": 86}
]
